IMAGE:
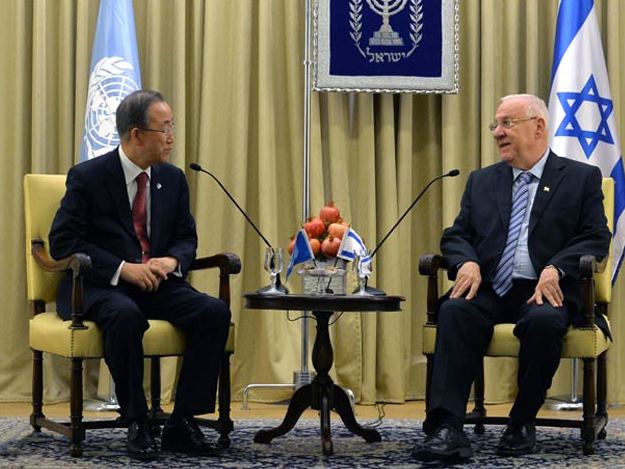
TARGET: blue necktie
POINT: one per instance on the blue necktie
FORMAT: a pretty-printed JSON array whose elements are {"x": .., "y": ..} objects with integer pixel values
[{"x": 503, "y": 276}]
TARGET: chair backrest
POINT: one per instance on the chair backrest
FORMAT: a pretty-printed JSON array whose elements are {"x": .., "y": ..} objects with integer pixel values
[
  {"x": 42, "y": 196},
  {"x": 603, "y": 281}
]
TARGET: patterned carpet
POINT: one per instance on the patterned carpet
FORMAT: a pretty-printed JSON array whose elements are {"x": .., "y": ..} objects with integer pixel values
[{"x": 20, "y": 448}]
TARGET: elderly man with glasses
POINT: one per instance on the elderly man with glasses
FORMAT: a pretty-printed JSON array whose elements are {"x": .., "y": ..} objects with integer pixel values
[
  {"x": 513, "y": 253},
  {"x": 129, "y": 211}
]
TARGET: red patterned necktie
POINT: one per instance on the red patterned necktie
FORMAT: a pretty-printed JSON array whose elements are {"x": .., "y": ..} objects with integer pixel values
[{"x": 140, "y": 216}]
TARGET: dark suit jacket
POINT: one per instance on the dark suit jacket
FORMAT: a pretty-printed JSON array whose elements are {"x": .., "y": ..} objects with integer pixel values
[
  {"x": 95, "y": 218},
  {"x": 566, "y": 221}
]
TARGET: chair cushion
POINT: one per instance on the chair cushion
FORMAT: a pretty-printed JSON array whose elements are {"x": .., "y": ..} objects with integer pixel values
[
  {"x": 48, "y": 332},
  {"x": 578, "y": 342}
]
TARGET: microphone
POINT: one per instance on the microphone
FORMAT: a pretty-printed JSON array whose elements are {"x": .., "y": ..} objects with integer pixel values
[
  {"x": 198, "y": 168},
  {"x": 452, "y": 173}
]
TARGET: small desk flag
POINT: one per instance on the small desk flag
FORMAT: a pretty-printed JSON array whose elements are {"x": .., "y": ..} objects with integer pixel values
[
  {"x": 351, "y": 246},
  {"x": 302, "y": 251}
]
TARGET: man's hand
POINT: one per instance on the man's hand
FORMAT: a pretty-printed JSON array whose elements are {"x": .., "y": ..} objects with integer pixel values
[
  {"x": 141, "y": 275},
  {"x": 467, "y": 278},
  {"x": 162, "y": 266},
  {"x": 548, "y": 287}
]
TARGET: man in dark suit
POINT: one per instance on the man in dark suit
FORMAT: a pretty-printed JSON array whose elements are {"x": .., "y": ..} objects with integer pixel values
[
  {"x": 129, "y": 211},
  {"x": 513, "y": 253}
]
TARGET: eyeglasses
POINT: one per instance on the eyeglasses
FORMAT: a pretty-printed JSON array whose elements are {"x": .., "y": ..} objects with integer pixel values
[
  {"x": 169, "y": 130},
  {"x": 509, "y": 123}
]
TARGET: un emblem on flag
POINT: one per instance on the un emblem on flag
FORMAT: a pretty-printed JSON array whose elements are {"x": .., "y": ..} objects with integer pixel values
[{"x": 110, "y": 82}]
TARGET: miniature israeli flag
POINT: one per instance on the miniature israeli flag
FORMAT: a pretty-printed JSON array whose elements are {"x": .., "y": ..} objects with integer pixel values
[
  {"x": 351, "y": 245},
  {"x": 114, "y": 75},
  {"x": 583, "y": 124},
  {"x": 302, "y": 251}
]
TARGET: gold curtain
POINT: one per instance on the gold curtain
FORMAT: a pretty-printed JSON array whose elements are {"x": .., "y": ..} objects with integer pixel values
[{"x": 233, "y": 72}]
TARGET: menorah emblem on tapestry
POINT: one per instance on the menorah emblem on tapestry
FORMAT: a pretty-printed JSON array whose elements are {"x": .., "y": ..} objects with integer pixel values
[{"x": 385, "y": 36}]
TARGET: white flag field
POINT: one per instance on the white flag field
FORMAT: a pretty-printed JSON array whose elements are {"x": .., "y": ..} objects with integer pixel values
[{"x": 582, "y": 118}]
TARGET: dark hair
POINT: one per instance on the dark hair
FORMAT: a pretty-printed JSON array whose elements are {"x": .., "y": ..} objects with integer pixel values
[{"x": 133, "y": 111}]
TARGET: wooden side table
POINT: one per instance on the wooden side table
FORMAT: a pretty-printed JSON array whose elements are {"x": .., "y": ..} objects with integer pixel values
[{"x": 321, "y": 394}]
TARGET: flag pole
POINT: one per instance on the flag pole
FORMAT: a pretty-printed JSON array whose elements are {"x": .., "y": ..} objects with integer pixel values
[{"x": 303, "y": 376}]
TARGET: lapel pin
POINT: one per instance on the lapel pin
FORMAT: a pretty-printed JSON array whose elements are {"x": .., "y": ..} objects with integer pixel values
[
  {"x": 158, "y": 185},
  {"x": 546, "y": 188}
]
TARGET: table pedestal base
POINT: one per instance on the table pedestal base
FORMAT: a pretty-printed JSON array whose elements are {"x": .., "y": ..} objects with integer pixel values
[{"x": 322, "y": 395}]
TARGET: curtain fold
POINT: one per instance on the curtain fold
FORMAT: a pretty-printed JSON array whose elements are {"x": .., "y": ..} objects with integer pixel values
[{"x": 233, "y": 73}]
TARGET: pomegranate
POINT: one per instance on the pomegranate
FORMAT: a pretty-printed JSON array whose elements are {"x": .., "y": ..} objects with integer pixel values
[
  {"x": 291, "y": 245},
  {"x": 337, "y": 229},
  {"x": 315, "y": 244},
  {"x": 330, "y": 246},
  {"x": 329, "y": 213},
  {"x": 314, "y": 227}
]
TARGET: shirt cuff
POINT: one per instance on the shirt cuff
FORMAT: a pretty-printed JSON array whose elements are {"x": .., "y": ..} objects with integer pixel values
[
  {"x": 118, "y": 272},
  {"x": 177, "y": 272},
  {"x": 560, "y": 272}
]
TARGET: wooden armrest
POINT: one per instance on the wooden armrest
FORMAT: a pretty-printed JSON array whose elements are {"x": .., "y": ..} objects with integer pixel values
[
  {"x": 78, "y": 263},
  {"x": 588, "y": 265},
  {"x": 429, "y": 264},
  {"x": 227, "y": 262}
]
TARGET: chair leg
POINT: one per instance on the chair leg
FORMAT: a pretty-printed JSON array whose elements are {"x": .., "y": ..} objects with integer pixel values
[
  {"x": 76, "y": 403},
  {"x": 428, "y": 384},
  {"x": 602, "y": 391},
  {"x": 37, "y": 390},
  {"x": 590, "y": 401},
  {"x": 156, "y": 411},
  {"x": 225, "y": 422},
  {"x": 479, "y": 411},
  {"x": 428, "y": 378},
  {"x": 155, "y": 386}
]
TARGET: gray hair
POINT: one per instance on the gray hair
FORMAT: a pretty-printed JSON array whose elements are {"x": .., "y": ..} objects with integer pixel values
[
  {"x": 534, "y": 105},
  {"x": 132, "y": 112}
]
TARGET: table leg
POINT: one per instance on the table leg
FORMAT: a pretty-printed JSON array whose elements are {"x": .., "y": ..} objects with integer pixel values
[
  {"x": 329, "y": 394},
  {"x": 344, "y": 409},
  {"x": 322, "y": 395},
  {"x": 301, "y": 400},
  {"x": 324, "y": 417}
]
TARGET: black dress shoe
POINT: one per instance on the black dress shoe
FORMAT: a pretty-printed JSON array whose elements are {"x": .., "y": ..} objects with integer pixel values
[
  {"x": 517, "y": 440},
  {"x": 140, "y": 444},
  {"x": 185, "y": 436},
  {"x": 428, "y": 427},
  {"x": 446, "y": 443}
]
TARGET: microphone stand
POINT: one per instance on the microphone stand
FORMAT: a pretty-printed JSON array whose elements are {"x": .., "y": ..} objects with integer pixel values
[
  {"x": 279, "y": 285},
  {"x": 372, "y": 290}
]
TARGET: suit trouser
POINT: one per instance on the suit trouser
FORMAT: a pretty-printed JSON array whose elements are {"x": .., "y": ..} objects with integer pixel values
[
  {"x": 463, "y": 333},
  {"x": 123, "y": 317}
]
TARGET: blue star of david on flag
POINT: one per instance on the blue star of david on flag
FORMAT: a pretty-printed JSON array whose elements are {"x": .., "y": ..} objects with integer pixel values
[
  {"x": 581, "y": 107},
  {"x": 570, "y": 125}
]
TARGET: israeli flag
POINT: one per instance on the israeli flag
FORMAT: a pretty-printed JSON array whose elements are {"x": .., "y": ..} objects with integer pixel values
[
  {"x": 351, "y": 245},
  {"x": 114, "y": 75},
  {"x": 302, "y": 251},
  {"x": 583, "y": 125}
]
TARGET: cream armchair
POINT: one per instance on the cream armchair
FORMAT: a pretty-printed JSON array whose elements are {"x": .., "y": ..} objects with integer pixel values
[
  {"x": 586, "y": 342},
  {"x": 80, "y": 339}
]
